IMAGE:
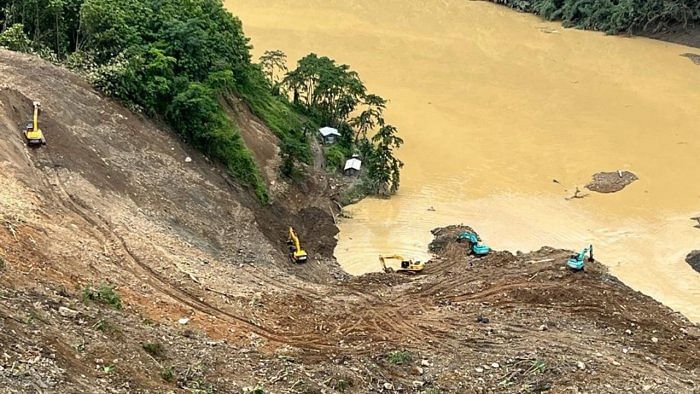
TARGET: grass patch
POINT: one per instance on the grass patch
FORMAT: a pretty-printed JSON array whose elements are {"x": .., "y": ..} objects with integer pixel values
[
  {"x": 104, "y": 294},
  {"x": 335, "y": 157},
  {"x": 399, "y": 357},
  {"x": 2, "y": 263},
  {"x": 168, "y": 374},
  {"x": 342, "y": 385},
  {"x": 33, "y": 316},
  {"x": 105, "y": 326}
]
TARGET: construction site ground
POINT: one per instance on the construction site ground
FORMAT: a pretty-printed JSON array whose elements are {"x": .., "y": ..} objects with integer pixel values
[{"x": 212, "y": 303}]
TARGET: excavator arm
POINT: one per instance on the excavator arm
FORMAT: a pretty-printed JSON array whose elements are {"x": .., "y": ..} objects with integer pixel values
[
  {"x": 33, "y": 133},
  {"x": 294, "y": 238},
  {"x": 297, "y": 254},
  {"x": 383, "y": 259},
  {"x": 577, "y": 261},
  {"x": 405, "y": 265}
]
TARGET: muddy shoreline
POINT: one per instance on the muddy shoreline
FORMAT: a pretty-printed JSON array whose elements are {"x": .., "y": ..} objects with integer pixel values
[{"x": 688, "y": 37}]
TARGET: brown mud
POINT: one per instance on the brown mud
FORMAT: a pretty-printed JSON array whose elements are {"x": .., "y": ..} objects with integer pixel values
[
  {"x": 693, "y": 259},
  {"x": 611, "y": 182}
]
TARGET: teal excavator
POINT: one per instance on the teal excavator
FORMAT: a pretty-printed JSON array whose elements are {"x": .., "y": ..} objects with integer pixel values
[
  {"x": 577, "y": 261},
  {"x": 475, "y": 245}
]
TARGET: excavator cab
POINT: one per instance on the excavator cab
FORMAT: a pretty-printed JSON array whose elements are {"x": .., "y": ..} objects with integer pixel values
[
  {"x": 296, "y": 253},
  {"x": 405, "y": 266},
  {"x": 32, "y": 132},
  {"x": 476, "y": 247}
]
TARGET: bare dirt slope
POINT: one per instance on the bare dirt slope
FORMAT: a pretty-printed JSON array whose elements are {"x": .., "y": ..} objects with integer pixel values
[{"x": 212, "y": 304}]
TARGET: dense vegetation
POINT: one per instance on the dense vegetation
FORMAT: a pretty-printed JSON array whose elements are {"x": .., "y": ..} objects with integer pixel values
[
  {"x": 333, "y": 95},
  {"x": 614, "y": 16},
  {"x": 171, "y": 59},
  {"x": 178, "y": 60}
]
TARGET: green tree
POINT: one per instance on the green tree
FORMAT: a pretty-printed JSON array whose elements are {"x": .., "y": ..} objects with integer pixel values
[
  {"x": 372, "y": 116},
  {"x": 324, "y": 90},
  {"x": 274, "y": 63},
  {"x": 384, "y": 167}
]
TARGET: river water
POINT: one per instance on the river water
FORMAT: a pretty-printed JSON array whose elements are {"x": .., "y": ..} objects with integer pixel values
[{"x": 494, "y": 105}]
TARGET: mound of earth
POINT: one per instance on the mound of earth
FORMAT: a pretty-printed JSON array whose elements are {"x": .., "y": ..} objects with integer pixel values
[
  {"x": 694, "y": 57},
  {"x": 694, "y": 260},
  {"x": 611, "y": 182},
  {"x": 209, "y": 301},
  {"x": 445, "y": 237}
]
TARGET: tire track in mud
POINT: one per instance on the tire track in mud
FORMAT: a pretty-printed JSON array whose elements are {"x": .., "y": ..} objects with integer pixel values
[
  {"x": 309, "y": 294},
  {"x": 304, "y": 341},
  {"x": 493, "y": 290}
]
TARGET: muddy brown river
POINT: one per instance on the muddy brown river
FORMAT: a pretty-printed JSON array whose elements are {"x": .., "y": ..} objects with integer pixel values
[{"x": 494, "y": 105}]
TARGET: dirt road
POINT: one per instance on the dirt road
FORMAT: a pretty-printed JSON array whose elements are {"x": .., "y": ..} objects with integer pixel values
[{"x": 212, "y": 303}]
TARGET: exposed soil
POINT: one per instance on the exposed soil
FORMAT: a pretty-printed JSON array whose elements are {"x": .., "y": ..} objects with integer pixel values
[
  {"x": 694, "y": 57},
  {"x": 611, "y": 182},
  {"x": 207, "y": 287},
  {"x": 694, "y": 260},
  {"x": 689, "y": 36}
]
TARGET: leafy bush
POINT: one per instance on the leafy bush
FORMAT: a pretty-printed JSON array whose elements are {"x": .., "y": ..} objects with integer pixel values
[
  {"x": 342, "y": 384},
  {"x": 398, "y": 357},
  {"x": 15, "y": 39},
  {"x": 335, "y": 157},
  {"x": 168, "y": 374},
  {"x": 104, "y": 294},
  {"x": 614, "y": 16}
]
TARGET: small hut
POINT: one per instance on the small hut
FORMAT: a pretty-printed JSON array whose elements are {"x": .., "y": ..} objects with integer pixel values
[
  {"x": 329, "y": 135},
  {"x": 352, "y": 166}
]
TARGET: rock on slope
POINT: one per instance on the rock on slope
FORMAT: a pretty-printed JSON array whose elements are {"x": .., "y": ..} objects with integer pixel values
[{"x": 211, "y": 302}]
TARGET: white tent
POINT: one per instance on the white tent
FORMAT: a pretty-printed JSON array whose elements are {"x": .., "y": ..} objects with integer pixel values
[
  {"x": 327, "y": 131},
  {"x": 353, "y": 164}
]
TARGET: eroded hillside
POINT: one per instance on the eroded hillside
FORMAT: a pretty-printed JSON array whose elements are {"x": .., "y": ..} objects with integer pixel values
[{"x": 211, "y": 303}]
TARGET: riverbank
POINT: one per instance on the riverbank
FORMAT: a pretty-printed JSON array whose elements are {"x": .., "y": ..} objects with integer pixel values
[
  {"x": 677, "y": 23},
  {"x": 689, "y": 37},
  {"x": 497, "y": 105}
]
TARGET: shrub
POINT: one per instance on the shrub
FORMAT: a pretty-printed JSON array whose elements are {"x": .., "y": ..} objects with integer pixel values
[
  {"x": 398, "y": 357},
  {"x": 342, "y": 384},
  {"x": 168, "y": 374},
  {"x": 15, "y": 39},
  {"x": 104, "y": 294},
  {"x": 335, "y": 157}
]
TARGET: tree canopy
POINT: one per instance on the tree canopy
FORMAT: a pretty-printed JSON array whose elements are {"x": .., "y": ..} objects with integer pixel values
[
  {"x": 331, "y": 94},
  {"x": 178, "y": 60},
  {"x": 614, "y": 16},
  {"x": 171, "y": 59}
]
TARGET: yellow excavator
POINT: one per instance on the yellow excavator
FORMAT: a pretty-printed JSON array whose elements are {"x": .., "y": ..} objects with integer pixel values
[
  {"x": 407, "y": 266},
  {"x": 296, "y": 253},
  {"x": 32, "y": 132}
]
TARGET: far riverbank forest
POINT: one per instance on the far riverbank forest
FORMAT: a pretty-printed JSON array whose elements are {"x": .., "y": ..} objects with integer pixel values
[{"x": 615, "y": 16}]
